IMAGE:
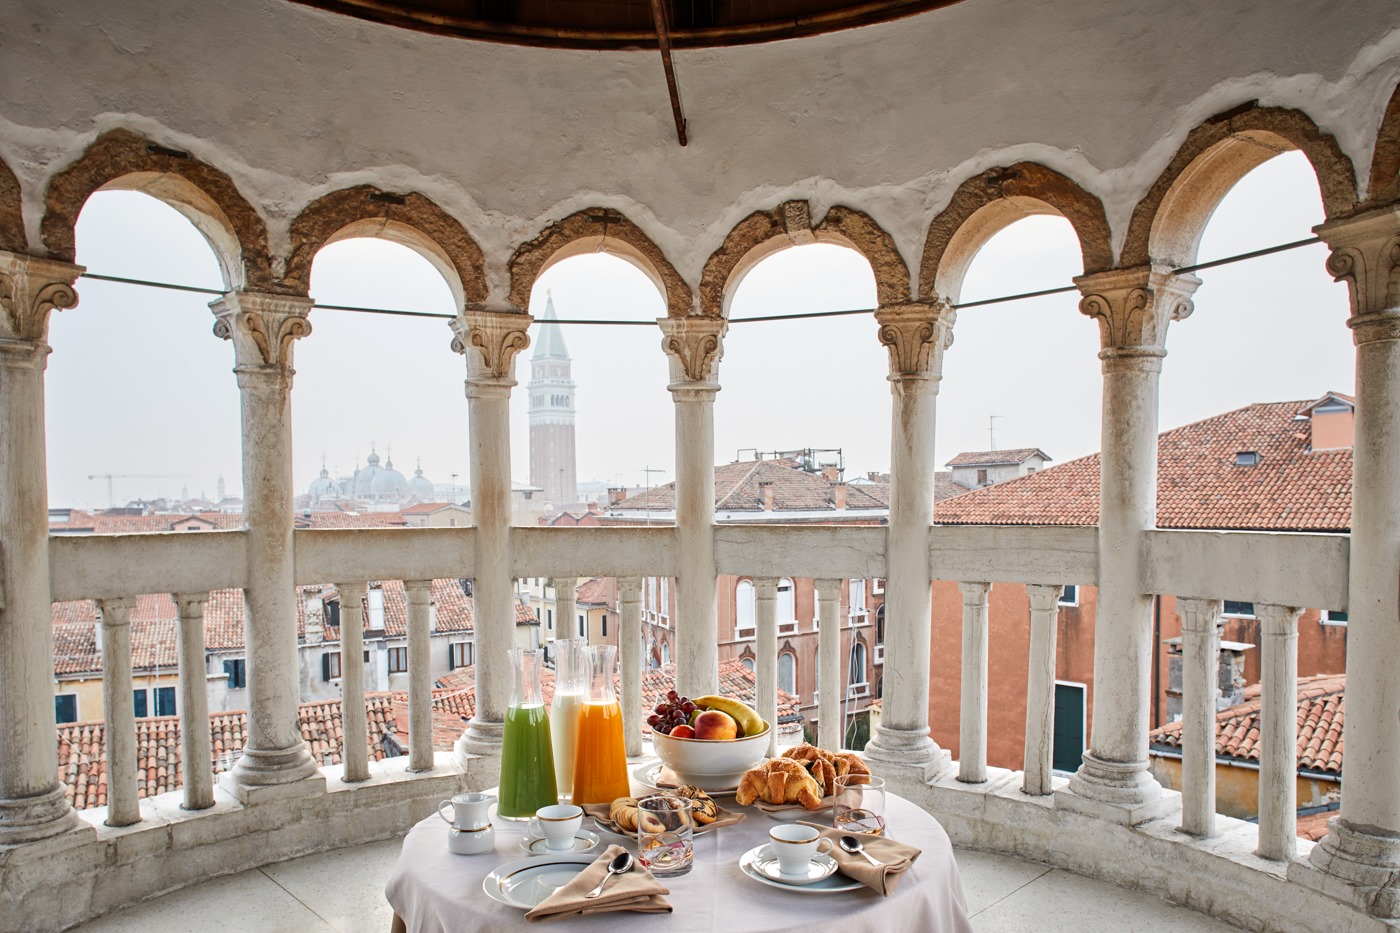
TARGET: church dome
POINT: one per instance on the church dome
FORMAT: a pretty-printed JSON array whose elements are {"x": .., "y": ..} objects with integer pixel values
[
  {"x": 421, "y": 486},
  {"x": 389, "y": 484},
  {"x": 323, "y": 487},
  {"x": 362, "y": 485}
]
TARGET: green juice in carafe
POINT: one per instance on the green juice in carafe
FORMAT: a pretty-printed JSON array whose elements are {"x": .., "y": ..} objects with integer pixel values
[{"x": 527, "y": 763}]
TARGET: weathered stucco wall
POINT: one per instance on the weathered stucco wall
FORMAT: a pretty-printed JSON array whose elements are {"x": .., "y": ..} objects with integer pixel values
[{"x": 293, "y": 103}]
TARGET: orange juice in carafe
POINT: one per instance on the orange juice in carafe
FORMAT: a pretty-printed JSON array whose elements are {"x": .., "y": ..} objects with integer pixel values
[{"x": 600, "y": 759}]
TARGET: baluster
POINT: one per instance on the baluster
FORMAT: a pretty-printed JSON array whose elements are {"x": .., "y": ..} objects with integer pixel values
[
  {"x": 354, "y": 752},
  {"x": 1040, "y": 690},
  {"x": 419, "y": 595},
  {"x": 629, "y": 637},
  {"x": 972, "y": 752},
  {"x": 1200, "y": 675},
  {"x": 765, "y": 610},
  {"x": 123, "y": 802},
  {"x": 1278, "y": 734},
  {"x": 196, "y": 746},
  {"x": 830, "y": 722}
]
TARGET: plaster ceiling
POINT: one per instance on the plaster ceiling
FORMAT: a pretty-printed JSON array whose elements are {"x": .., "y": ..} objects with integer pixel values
[{"x": 619, "y": 24}]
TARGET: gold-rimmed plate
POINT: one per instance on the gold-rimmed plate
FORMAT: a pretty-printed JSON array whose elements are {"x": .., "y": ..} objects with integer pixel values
[{"x": 525, "y": 882}]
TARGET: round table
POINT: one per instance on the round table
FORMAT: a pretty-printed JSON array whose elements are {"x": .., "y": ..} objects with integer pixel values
[{"x": 434, "y": 891}]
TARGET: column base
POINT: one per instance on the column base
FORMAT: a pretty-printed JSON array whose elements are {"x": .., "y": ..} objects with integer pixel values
[
  {"x": 483, "y": 738},
  {"x": 1119, "y": 792},
  {"x": 262, "y": 769},
  {"x": 1359, "y": 869},
  {"x": 911, "y": 748},
  {"x": 29, "y": 819},
  {"x": 251, "y": 794}
]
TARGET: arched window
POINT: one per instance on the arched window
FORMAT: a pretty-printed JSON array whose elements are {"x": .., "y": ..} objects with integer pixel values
[
  {"x": 787, "y": 672},
  {"x": 880, "y": 625},
  {"x": 857, "y": 664},
  {"x": 880, "y": 686},
  {"x": 747, "y": 662},
  {"x": 787, "y": 604},
  {"x": 665, "y": 654},
  {"x": 743, "y": 609}
]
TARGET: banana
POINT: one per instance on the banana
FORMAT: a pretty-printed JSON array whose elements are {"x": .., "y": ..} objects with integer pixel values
[{"x": 750, "y": 723}]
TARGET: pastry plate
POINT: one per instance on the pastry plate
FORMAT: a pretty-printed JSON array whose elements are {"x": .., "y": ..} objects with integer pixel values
[
  {"x": 632, "y": 837},
  {"x": 830, "y": 884},
  {"x": 650, "y": 773},
  {"x": 582, "y": 842},
  {"x": 821, "y": 867},
  {"x": 791, "y": 812},
  {"x": 525, "y": 882}
]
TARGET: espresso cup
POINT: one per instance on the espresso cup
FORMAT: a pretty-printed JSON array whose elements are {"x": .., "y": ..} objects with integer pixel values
[
  {"x": 558, "y": 824},
  {"x": 795, "y": 846}
]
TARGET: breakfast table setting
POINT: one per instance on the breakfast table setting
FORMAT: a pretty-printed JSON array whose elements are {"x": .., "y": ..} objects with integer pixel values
[{"x": 710, "y": 836}]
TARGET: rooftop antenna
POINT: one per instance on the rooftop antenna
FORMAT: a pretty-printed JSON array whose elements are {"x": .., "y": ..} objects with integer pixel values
[{"x": 992, "y": 430}]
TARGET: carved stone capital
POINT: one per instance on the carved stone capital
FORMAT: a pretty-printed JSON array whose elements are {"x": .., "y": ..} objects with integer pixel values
[
  {"x": 1044, "y": 597},
  {"x": 694, "y": 344},
  {"x": 1200, "y": 616},
  {"x": 916, "y": 334},
  {"x": 1366, "y": 255},
  {"x": 30, "y": 288},
  {"x": 262, "y": 327},
  {"x": 490, "y": 340},
  {"x": 116, "y": 611},
  {"x": 974, "y": 594},
  {"x": 1134, "y": 307},
  {"x": 797, "y": 220}
]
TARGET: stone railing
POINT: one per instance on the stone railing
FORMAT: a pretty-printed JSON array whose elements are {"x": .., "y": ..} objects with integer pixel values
[{"x": 134, "y": 849}]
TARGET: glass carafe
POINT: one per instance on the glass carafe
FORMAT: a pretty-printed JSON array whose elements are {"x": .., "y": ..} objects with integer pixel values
[
  {"x": 600, "y": 760},
  {"x": 527, "y": 755},
  {"x": 570, "y": 691}
]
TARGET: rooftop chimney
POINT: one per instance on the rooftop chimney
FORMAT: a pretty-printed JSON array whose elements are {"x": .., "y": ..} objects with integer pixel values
[
  {"x": 616, "y": 494},
  {"x": 765, "y": 491},
  {"x": 831, "y": 473},
  {"x": 838, "y": 495}
]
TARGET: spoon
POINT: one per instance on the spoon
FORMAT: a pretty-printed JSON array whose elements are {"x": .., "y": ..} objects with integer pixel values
[
  {"x": 852, "y": 845},
  {"x": 620, "y": 865}
]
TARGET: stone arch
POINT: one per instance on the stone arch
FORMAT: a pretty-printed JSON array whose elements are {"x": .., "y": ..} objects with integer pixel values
[
  {"x": 763, "y": 233},
  {"x": 1385, "y": 163},
  {"x": 1167, "y": 223},
  {"x": 206, "y": 196},
  {"x": 988, "y": 203},
  {"x": 12, "y": 237},
  {"x": 411, "y": 220},
  {"x": 592, "y": 230}
]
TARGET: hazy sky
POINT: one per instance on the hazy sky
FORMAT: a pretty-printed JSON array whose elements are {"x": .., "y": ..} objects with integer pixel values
[{"x": 139, "y": 387}]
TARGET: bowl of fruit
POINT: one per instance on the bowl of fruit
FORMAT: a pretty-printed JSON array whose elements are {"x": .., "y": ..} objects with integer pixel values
[{"x": 709, "y": 741}]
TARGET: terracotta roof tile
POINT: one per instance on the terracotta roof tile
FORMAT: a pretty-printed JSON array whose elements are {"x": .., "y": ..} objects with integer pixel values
[
  {"x": 986, "y": 457},
  {"x": 1321, "y": 715},
  {"x": 738, "y": 489},
  {"x": 1199, "y": 485}
]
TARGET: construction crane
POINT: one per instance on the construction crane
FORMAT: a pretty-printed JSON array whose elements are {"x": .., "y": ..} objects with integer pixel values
[{"x": 111, "y": 502}]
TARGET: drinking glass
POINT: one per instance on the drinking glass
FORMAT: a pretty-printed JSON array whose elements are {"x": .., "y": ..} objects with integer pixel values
[
  {"x": 665, "y": 827},
  {"x": 859, "y": 806}
]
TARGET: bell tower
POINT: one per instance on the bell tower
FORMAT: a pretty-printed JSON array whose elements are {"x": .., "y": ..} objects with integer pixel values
[{"x": 551, "y": 390}]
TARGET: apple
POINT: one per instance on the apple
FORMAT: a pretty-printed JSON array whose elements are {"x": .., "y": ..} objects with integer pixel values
[
  {"x": 713, "y": 724},
  {"x": 682, "y": 732}
]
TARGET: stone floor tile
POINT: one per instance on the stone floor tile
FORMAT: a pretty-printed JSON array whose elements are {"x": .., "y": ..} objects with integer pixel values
[
  {"x": 345, "y": 888},
  {"x": 1061, "y": 902},
  {"x": 988, "y": 878}
]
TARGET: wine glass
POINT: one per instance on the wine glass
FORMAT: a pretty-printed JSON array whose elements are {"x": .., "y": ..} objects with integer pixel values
[{"x": 859, "y": 805}]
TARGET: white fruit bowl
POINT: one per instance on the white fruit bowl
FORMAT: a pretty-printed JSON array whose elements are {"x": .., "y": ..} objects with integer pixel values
[{"x": 711, "y": 764}]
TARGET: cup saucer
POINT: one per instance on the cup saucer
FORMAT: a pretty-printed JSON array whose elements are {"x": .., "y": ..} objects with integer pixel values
[
  {"x": 583, "y": 841},
  {"x": 821, "y": 867}
]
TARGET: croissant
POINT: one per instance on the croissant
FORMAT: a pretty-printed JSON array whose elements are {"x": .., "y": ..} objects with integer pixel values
[
  {"x": 779, "y": 781},
  {"x": 806, "y": 753},
  {"x": 704, "y": 809},
  {"x": 825, "y": 767}
]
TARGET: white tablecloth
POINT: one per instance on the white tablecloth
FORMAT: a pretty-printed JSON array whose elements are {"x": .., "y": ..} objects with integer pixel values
[{"x": 434, "y": 891}]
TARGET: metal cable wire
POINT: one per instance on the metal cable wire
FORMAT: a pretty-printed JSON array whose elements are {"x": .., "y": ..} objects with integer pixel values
[{"x": 758, "y": 318}]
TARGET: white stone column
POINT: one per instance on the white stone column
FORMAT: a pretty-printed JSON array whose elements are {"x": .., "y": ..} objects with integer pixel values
[
  {"x": 354, "y": 749},
  {"x": 566, "y": 607},
  {"x": 629, "y": 640},
  {"x": 695, "y": 346},
  {"x": 1278, "y": 734},
  {"x": 490, "y": 340},
  {"x": 419, "y": 595},
  {"x": 831, "y": 721},
  {"x": 263, "y": 329},
  {"x": 118, "y": 705},
  {"x": 1040, "y": 690},
  {"x": 32, "y": 805},
  {"x": 917, "y": 336},
  {"x": 972, "y": 736},
  {"x": 1133, "y": 308},
  {"x": 1359, "y": 860},
  {"x": 1200, "y": 686},
  {"x": 196, "y": 745},
  {"x": 765, "y": 611}
]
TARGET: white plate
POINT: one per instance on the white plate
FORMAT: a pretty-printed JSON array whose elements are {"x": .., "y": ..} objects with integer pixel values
[
  {"x": 832, "y": 884},
  {"x": 648, "y": 774},
  {"x": 582, "y": 842},
  {"x": 791, "y": 813},
  {"x": 699, "y": 830},
  {"x": 525, "y": 882},
  {"x": 821, "y": 867}
]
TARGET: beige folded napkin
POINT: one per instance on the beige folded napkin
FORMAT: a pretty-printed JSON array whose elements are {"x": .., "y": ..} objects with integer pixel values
[
  {"x": 636, "y": 890},
  {"x": 897, "y": 856},
  {"x": 602, "y": 812}
]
